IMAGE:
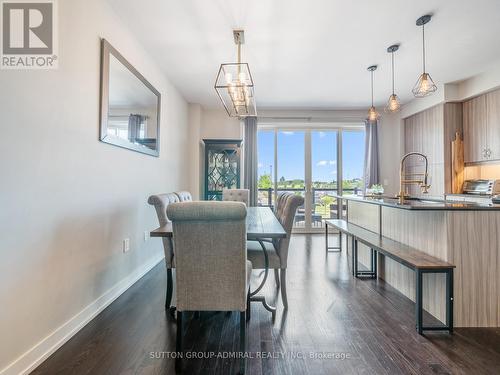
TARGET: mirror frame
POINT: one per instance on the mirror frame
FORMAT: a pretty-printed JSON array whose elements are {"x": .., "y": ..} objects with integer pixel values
[{"x": 106, "y": 51}]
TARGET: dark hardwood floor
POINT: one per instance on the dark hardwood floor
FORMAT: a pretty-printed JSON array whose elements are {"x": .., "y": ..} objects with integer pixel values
[{"x": 357, "y": 326}]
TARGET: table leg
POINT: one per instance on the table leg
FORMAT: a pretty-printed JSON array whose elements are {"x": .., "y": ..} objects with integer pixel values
[{"x": 262, "y": 299}]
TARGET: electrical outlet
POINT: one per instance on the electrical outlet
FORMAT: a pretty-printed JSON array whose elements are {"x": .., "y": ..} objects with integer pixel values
[
  {"x": 146, "y": 235},
  {"x": 126, "y": 245}
]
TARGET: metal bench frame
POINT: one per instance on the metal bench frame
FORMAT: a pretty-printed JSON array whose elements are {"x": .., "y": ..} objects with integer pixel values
[
  {"x": 372, "y": 274},
  {"x": 332, "y": 249}
]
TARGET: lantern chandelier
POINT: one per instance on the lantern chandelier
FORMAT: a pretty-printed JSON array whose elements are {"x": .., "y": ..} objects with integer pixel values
[{"x": 234, "y": 84}]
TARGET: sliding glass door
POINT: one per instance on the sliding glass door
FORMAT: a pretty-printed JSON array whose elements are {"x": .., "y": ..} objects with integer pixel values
[
  {"x": 310, "y": 163},
  {"x": 290, "y": 170},
  {"x": 323, "y": 176}
]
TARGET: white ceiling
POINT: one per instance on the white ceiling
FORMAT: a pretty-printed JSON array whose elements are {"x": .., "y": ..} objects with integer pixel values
[{"x": 314, "y": 53}]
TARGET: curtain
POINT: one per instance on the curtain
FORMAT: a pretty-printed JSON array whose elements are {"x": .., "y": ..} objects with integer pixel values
[
  {"x": 250, "y": 159},
  {"x": 371, "y": 167},
  {"x": 134, "y": 126}
]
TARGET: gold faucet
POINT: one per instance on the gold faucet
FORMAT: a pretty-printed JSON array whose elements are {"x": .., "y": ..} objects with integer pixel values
[{"x": 412, "y": 178}]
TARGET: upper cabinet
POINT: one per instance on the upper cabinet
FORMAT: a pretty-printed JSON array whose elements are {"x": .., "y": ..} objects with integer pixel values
[
  {"x": 481, "y": 120},
  {"x": 475, "y": 137},
  {"x": 493, "y": 125},
  {"x": 430, "y": 132}
]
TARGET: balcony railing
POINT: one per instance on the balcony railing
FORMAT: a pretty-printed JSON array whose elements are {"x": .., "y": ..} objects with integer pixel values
[
  {"x": 320, "y": 210},
  {"x": 270, "y": 191}
]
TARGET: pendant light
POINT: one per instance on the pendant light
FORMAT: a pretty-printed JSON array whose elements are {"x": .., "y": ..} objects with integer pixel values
[
  {"x": 393, "y": 104},
  {"x": 234, "y": 84},
  {"x": 424, "y": 86},
  {"x": 373, "y": 115}
]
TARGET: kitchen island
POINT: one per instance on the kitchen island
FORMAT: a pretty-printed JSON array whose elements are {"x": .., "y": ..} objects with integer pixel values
[{"x": 462, "y": 233}]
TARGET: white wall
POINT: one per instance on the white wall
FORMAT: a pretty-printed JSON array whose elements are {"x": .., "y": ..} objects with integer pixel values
[{"x": 67, "y": 200}]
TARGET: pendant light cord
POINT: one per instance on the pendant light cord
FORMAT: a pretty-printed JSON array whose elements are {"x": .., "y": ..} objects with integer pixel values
[
  {"x": 392, "y": 56},
  {"x": 372, "y": 85},
  {"x": 423, "y": 46}
]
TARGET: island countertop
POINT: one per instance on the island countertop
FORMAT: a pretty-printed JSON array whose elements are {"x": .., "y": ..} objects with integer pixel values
[{"x": 421, "y": 204}]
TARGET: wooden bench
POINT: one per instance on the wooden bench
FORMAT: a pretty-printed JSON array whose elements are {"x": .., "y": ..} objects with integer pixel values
[{"x": 408, "y": 256}]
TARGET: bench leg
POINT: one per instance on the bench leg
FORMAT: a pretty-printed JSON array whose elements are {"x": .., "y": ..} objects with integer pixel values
[
  {"x": 326, "y": 237},
  {"x": 419, "y": 304},
  {"x": 418, "y": 300},
  {"x": 355, "y": 257},
  {"x": 372, "y": 273},
  {"x": 449, "y": 299},
  {"x": 332, "y": 249}
]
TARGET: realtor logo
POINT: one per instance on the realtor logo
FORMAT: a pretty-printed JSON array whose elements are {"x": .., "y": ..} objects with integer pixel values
[{"x": 29, "y": 34}]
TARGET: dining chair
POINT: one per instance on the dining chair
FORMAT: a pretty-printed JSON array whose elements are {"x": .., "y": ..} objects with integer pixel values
[
  {"x": 160, "y": 203},
  {"x": 277, "y": 250},
  {"x": 184, "y": 196},
  {"x": 212, "y": 270},
  {"x": 236, "y": 195}
]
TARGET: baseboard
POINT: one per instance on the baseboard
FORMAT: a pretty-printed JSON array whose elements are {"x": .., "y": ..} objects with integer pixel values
[{"x": 28, "y": 361}]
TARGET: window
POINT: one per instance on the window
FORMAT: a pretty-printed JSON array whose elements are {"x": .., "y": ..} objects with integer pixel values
[{"x": 306, "y": 162}]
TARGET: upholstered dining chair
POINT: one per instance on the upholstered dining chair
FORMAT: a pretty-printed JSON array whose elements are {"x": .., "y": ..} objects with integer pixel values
[
  {"x": 212, "y": 270},
  {"x": 277, "y": 250},
  {"x": 184, "y": 196},
  {"x": 160, "y": 203},
  {"x": 236, "y": 195}
]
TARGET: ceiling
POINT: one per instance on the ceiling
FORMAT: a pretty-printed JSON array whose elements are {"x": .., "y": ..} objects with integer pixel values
[{"x": 314, "y": 54}]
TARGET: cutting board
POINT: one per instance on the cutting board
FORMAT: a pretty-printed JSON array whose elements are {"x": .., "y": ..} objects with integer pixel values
[{"x": 457, "y": 164}]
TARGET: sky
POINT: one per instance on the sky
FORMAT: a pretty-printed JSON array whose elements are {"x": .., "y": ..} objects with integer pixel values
[{"x": 324, "y": 151}]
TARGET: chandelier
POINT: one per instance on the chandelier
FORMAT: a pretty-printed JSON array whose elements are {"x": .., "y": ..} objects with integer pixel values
[{"x": 234, "y": 84}]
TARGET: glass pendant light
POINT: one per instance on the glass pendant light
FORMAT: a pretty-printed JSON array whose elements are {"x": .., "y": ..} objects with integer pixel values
[
  {"x": 424, "y": 86},
  {"x": 373, "y": 115},
  {"x": 234, "y": 84},
  {"x": 393, "y": 104}
]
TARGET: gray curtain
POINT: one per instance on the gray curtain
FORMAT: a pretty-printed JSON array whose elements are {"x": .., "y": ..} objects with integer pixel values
[
  {"x": 371, "y": 167},
  {"x": 250, "y": 163}
]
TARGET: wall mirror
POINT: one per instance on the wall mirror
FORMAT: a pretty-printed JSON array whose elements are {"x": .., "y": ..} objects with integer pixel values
[{"x": 130, "y": 105}]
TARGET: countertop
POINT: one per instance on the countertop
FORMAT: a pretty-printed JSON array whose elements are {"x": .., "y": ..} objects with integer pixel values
[{"x": 419, "y": 204}]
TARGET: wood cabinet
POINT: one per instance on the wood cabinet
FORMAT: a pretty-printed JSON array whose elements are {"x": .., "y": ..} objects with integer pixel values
[
  {"x": 475, "y": 139},
  {"x": 431, "y": 132},
  {"x": 481, "y": 120},
  {"x": 493, "y": 125}
]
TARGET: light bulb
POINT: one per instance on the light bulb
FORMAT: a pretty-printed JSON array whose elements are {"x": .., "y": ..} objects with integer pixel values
[
  {"x": 228, "y": 77},
  {"x": 242, "y": 77},
  {"x": 373, "y": 114},
  {"x": 393, "y": 104},
  {"x": 424, "y": 86}
]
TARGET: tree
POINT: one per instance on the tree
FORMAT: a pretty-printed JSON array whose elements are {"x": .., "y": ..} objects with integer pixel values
[
  {"x": 265, "y": 182},
  {"x": 282, "y": 179},
  {"x": 327, "y": 201}
]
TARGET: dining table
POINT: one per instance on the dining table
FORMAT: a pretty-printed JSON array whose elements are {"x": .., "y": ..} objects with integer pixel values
[{"x": 262, "y": 226}]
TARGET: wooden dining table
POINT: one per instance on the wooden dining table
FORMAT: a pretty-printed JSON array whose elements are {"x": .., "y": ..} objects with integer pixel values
[{"x": 262, "y": 225}]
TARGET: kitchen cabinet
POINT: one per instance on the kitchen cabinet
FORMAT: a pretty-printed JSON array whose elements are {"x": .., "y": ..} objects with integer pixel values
[
  {"x": 431, "y": 132},
  {"x": 493, "y": 125},
  {"x": 482, "y": 128},
  {"x": 475, "y": 134}
]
